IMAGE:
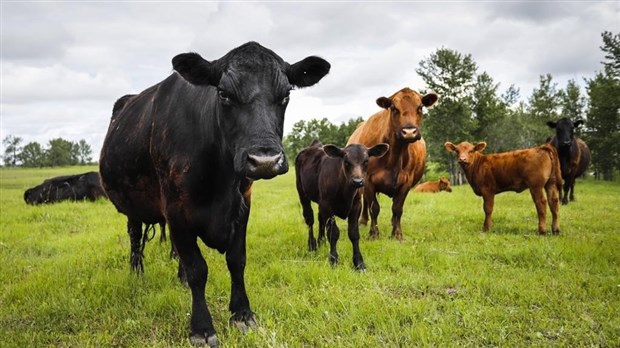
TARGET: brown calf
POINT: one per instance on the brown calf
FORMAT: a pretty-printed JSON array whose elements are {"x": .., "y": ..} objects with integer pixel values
[
  {"x": 442, "y": 184},
  {"x": 534, "y": 168}
]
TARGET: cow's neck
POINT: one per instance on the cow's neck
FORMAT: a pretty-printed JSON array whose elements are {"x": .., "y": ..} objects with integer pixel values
[
  {"x": 398, "y": 155},
  {"x": 472, "y": 169}
]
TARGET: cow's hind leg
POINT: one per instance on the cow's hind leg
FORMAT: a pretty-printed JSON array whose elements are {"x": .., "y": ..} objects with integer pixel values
[
  {"x": 566, "y": 190},
  {"x": 309, "y": 218},
  {"x": 553, "y": 199},
  {"x": 134, "y": 229},
  {"x": 375, "y": 209},
  {"x": 397, "y": 212},
  {"x": 541, "y": 208},
  {"x": 488, "y": 202}
]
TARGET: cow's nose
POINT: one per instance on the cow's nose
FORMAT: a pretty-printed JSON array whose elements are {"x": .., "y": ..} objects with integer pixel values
[
  {"x": 409, "y": 132},
  {"x": 262, "y": 166},
  {"x": 566, "y": 143},
  {"x": 358, "y": 182}
]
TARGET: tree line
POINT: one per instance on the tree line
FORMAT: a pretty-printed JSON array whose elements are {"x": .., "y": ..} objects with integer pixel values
[
  {"x": 471, "y": 109},
  {"x": 59, "y": 152}
]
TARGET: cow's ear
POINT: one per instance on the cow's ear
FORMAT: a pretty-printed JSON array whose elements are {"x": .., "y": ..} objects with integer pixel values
[
  {"x": 195, "y": 70},
  {"x": 480, "y": 146},
  {"x": 430, "y": 99},
  {"x": 308, "y": 71},
  {"x": 449, "y": 146},
  {"x": 577, "y": 123},
  {"x": 333, "y": 151},
  {"x": 384, "y": 102},
  {"x": 551, "y": 124},
  {"x": 378, "y": 150}
]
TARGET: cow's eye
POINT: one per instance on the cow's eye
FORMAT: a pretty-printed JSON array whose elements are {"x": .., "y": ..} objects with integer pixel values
[{"x": 224, "y": 97}]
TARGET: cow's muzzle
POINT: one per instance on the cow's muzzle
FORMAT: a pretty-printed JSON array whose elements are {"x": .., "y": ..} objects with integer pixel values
[
  {"x": 357, "y": 182},
  {"x": 410, "y": 134},
  {"x": 262, "y": 166}
]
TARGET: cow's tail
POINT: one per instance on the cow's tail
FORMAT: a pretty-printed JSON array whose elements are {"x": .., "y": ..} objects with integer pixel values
[{"x": 556, "y": 171}]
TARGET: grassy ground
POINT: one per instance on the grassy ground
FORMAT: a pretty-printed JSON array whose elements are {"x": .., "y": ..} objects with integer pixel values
[{"x": 65, "y": 280}]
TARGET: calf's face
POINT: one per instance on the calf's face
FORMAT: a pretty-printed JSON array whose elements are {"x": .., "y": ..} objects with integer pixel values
[
  {"x": 252, "y": 87},
  {"x": 355, "y": 160},
  {"x": 406, "y": 113},
  {"x": 465, "y": 151},
  {"x": 444, "y": 185}
]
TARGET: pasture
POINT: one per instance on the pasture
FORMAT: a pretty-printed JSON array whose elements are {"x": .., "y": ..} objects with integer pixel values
[{"x": 65, "y": 279}]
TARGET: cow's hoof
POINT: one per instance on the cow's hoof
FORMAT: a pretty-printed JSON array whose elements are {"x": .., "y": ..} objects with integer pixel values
[
  {"x": 333, "y": 260},
  {"x": 199, "y": 340},
  {"x": 135, "y": 261},
  {"x": 243, "y": 324},
  {"x": 361, "y": 267},
  {"x": 556, "y": 232}
]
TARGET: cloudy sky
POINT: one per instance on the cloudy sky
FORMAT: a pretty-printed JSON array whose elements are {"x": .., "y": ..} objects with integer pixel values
[{"x": 64, "y": 63}]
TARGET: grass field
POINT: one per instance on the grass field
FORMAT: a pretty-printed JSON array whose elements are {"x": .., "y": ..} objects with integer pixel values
[{"x": 65, "y": 279}]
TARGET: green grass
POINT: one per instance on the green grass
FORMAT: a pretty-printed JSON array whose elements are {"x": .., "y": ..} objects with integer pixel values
[{"x": 65, "y": 279}]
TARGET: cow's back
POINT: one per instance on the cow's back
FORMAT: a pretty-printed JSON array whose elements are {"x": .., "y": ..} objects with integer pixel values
[
  {"x": 584, "y": 158},
  {"x": 307, "y": 170}
]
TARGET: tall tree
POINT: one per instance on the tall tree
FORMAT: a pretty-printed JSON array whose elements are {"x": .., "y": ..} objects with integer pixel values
[
  {"x": 11, "y": 150},
  {"x": 544, "y": 105},
  {"x": 489, "y": 110},
  {"x": 32, "y": 155},
  {"x": 84, "y": 152},
  {"x": 611, "y": 47},
  {"x": 60, "y": 152},
  {"x": 451, "y": 75},
  {"x": 572, "y": 102}
]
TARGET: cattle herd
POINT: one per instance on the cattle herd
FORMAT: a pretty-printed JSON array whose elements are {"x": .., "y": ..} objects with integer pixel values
[{"x": 186, "y": 151}]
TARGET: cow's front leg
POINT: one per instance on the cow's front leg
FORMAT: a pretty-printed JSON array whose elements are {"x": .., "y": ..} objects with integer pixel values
[
  {"x": 373, "y": 206},
  {"x": 196, "y": 272},
  {"x": 397, "y": 212},
  {"x": 488, "y": 200},
  {"x": 242, "y": 315},
  {"x": 541, "y": 208},
  {"x": 354, "y": 235},
  {"x": 334, "y": 235}
]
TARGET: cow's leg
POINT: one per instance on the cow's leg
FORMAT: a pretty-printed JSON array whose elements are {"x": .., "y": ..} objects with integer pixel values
[
  {"x": 566, "y": 190},
  {"x": 309, "y": 218},
  {"x": 554, "y": 205},
  {"x": 334, "y": 235},
  {"x": 397, "y": 212},
  {"x": 541, "y": 208},
  {"x": 322, "y": 229},
  {"x": 364, "y": 217},
  {"x": 572, "y": 190},
  {"x": 196, "y": 271},
  {"x": 373, "y": 206},
  {"x": 354, "y": 235},
  {"x": 488, "y": 201},
  {"x": 134, "y": 229}
]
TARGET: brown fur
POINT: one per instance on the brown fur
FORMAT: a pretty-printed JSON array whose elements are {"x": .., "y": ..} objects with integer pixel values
[
  {"x": 442, "y": 184},
  {"x": 394, "y": 174},
  {"x": 534, "y": 169}
]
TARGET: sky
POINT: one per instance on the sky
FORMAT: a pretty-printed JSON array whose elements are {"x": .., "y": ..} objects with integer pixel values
[{"x": 64, "y": 63}]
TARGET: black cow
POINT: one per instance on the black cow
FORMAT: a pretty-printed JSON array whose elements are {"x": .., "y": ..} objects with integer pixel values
[
  {"x": 76, "y": 187},
  {"x": 186, "y": 151},
  {"x": 573, "y": 152},
  {"x": 333, "y": 178}
]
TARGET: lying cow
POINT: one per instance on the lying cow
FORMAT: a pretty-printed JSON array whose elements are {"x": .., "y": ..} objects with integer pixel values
[
  {"x": 442, "y": 184},
  {"x": 77, "y": 187},
  {"x": 534, "y": 168},
  {"x": 333, "y": 178}
]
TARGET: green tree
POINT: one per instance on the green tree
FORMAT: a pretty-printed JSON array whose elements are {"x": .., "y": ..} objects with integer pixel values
[
  {"x": 61, "y": 152},
  {"x": 544, "y": 105},
  {"x": 572, "y": 102},
  {"x": 451, "y": 75},
  {"x": 611, "y": 47},
  {"x": 84, "y": 152},
  {"x": 11, "y": 150},
  {"x": 489, "y": 112},
  {"x": 32, "y": 155}
]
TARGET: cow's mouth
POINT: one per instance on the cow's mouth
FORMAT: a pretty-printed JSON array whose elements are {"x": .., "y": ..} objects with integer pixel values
[{"x": 265, "y": 167}]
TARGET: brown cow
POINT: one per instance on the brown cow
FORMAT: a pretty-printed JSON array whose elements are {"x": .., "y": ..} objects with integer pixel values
[
  {"x": 399, "y": 125},
  {"x": 442, "y": 184},
  {"x": 333, "y": 177},
  {"x": 534, "y": 168}
]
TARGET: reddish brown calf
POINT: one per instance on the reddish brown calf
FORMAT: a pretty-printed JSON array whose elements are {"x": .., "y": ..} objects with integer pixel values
[
  {"x": 442, "y": 184},
  {"x": 534, "y": 168}
]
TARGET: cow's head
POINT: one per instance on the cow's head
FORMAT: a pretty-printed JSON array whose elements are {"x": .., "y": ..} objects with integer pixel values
[
  {"x": 251, "y": 86},
  {"x": 564, "y": 130},
  {"x": 405, "y": 108},
  {"x": 465, "y": 152},
  {"x": 444, "y": 184},
  {"x": 355, "y": 160},
  {"x": 37, "y": 195}
]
